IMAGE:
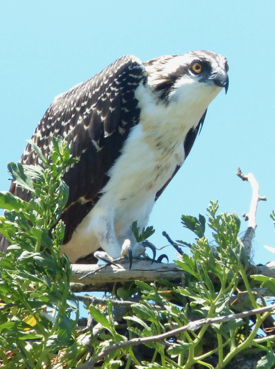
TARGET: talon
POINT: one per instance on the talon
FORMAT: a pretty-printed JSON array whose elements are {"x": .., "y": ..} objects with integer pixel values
[
  {"x": 161, "y": 257},
  {"x": 130, "y": 255},
  {"x": 152, "y": 247}
]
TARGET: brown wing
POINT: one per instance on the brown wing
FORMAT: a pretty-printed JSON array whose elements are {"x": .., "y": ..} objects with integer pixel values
[{"x": 95, "y": 118}]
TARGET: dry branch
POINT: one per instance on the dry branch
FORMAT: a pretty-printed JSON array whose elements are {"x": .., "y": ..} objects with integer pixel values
[
  {"x": 141, "y": 270},
  {"x": 193, "y": 326},
  {"x": 251, "y": 216}
]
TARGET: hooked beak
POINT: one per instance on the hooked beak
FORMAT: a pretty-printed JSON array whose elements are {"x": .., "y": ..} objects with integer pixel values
[{"x": 221, "y": 79}]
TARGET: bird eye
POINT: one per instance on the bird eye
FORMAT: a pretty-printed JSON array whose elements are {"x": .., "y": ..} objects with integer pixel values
[
  {"x": 197, "y": 68},
  {"x": 226, "y": 67}
]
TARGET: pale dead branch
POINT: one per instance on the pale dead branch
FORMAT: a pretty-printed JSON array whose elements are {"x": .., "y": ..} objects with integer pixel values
[
  {"x": 251, "y": 216},
  {"x": 141, "y": 270}
]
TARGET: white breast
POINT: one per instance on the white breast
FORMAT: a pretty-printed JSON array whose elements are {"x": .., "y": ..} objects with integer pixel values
[
  {"x": 135, "y": 178},
  {"x": 129, "y": 196},
  {"x": 148, "y": 160}
]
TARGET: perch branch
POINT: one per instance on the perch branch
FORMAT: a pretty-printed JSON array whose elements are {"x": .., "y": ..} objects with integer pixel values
[
  {"x": 161, "y": 337},
  {"x": 141, "y": 270}
]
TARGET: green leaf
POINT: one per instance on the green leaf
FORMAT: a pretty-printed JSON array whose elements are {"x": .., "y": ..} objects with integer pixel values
[
  {"x": 7, "y": 228},
  {"x": 270, "y": 285},
  {"x": 234, "y": 323},
  {"x": 179, "y": 348},
  {"x": 63, "y": 195},
  {"x": 135, "y": 319},
  {"x": 193, "y": 224},
  {"x": 266, "y": 361},
  {"x": 100, "y": 317},
  {"x": 27, "y": 276},
  {"x": 197, "y": 301},
  {"x": 35, "y": 173},
  {"x": 144, "y": 312},
  {"x": 267, "y": 282},
  {"x": 135, "y": 330},
  {"x": 202, "y": 221},
  {"x": 38, "y": 151},
  {"x": 222, "y": 304},
  {"x": 213, "y": 208},
  {"x": 19, "y": 177},
  {"x": 261, "y": 278},
  {"x": 10, "y": 202},
  {"x": 143, "y": 286},
  {"x": 184, "y": 266},
  {"x": 123, "y": 293},
  {"x": 233, "y": 253},
  {"x": 152, "y": 365},
  {"x": 114, "y": 364},
  {"x": 13, "y": 328},
  {"x": 35, "y": 281},
  {"x": 141, "y": 235},
  {"x": 65, "y": 324}
]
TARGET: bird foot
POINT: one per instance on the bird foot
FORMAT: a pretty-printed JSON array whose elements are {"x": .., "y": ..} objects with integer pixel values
[
  {"x": 131, "y": 252},
  {"x": 137, "y": 251}
]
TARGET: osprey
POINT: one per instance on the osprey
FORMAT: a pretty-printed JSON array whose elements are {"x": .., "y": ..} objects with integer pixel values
[{"x": 131, "y": 126}]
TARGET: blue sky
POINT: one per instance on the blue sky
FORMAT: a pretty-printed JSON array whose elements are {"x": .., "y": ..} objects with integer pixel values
[{"x": 48, "y": 47}]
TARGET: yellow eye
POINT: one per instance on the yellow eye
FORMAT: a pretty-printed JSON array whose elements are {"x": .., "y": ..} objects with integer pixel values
[{"x": 197, "y": 68}]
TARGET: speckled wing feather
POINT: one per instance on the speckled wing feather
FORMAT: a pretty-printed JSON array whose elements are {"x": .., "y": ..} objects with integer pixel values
[{"x": 95, "y": 117}]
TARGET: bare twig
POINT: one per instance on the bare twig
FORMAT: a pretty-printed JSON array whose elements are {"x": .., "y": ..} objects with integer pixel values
[
  {"x": 251, "y": 216},
  {"x": 161, "y": 337},
  {"x": 238, "y": 303},
  {"x": 174, "y": 244},
  {"x": 119, "y": 311},
  {"x": 92, "y": 300}
]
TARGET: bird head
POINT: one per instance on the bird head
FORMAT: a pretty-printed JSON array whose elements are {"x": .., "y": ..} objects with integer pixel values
[
  {"x": 190, "y": 76},
  {"x": 209, "y": 68}
]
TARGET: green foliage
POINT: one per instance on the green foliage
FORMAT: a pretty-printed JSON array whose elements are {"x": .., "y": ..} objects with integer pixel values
[
  {"x": 214, "y": 275},
  {"x": 39, "y": 312},
  {"x": 142, "y": 235}
]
